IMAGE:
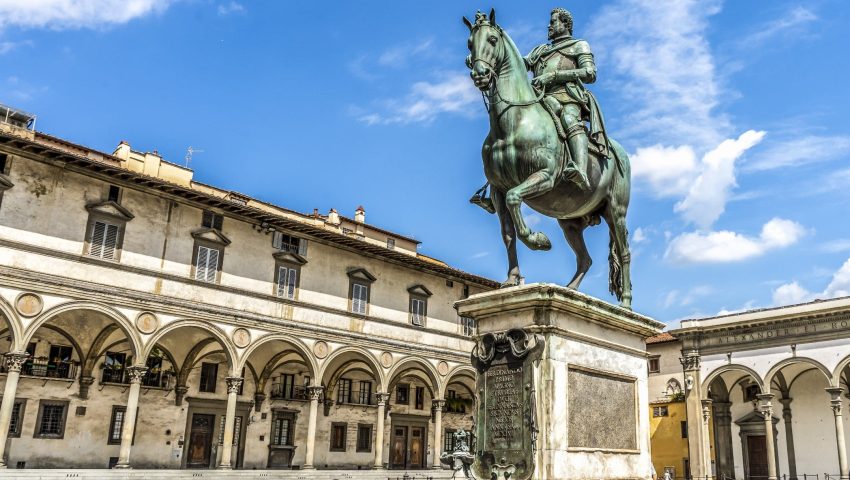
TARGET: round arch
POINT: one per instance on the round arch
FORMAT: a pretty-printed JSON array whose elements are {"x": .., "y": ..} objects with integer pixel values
[
  {"x": 14, "y": 325},
  {"x": 298, "y": 345},
  {"x": 728, "y": 368},
  {"x": 123, "y": 322},
  {"x": 455, "y": 374},
  {"x": 835, "y": 376},
  {"x": 419, "y": 364},
  {"x": 357, "y": 353},
  {"x": 227, "y": 346},
  {"x": 768, "y": 378}
]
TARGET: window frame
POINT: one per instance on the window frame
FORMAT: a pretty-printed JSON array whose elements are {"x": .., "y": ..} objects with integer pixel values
[
  {"x": 290, "y": 418},
  {"x": 406, "y": 388},
  {"x": 468, "y": 326},
  {"x": 660, "y": 411},
  {"x": 123, "y": 410},
  {"x": 21, "y": 403},
  {"x": 649, "y": 364},
  {"x": 196, "y": 250},
  {"x": 418, "y": 293},
  {"x": 37, "y": 431},
  {"x": 419, "y": 398},
  {"x": 449, "y": 439},
  {"x": 216, "y": 220},
  {"x": 343, "y": 391},
  {"x": 361, "y": 277},
  {"x": 344, "y": 428},
  {"x": 202, "y": 378},
  {"x": 291, "y": 262},
  {"x": 360, "y": 427}
]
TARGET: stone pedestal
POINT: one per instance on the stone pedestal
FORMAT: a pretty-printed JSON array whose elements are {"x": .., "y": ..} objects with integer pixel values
[{"x": 562, "y": 385}]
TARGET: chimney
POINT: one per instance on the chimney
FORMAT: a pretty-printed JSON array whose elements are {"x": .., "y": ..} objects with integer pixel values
[
  {"x": 152, "y": 163},
  {"x": 122, "y": 151},
  {"x": 360, "y": 215},
  {"x": 333, "y": 217}
]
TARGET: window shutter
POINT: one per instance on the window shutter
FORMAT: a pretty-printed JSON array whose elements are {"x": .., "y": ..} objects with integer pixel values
[
  {"x": 212, "y": 265},
  {"x": 98, "y": 233},
  {"x": 302, "y": 247},
  {"x": 281, "y": 281},
  {"x": 277, "y": 239},
  {"x": 201, "y": 263},
  {"x": 290, "y": 283},
  {"x": 358, "y": 298},
  {"x": 104, "y": 240},
  {"x": 110, "y": 241}
]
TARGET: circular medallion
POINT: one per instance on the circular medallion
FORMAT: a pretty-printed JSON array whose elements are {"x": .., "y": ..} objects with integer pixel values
[
  {"x": 443, "y": 368},
  {"x": 29, "y": 304},
  {"x": 387, "y": 359},
  {"x": 147, "y": 322},
  {"x": 320, "y": 349},
  {"x": 241, "y": 337}
]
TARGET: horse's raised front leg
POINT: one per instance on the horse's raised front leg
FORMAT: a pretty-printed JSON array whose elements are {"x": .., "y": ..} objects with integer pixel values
[
  {"x": 574, "y": 233},
  {"x": 508, "y": 236},
  {"x": 619, "y": 257},
  {"x": 536, "y": 183}
]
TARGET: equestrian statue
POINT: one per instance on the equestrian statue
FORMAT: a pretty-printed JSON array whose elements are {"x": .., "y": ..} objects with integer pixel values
[{"x": 547, "y": 146}]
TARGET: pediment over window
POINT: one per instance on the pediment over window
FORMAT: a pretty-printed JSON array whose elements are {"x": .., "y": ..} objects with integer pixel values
[
  {"x": 110, "y": 209},
  {"x": 211, "y": 235},
  {"x": 361, "y": 274},
  {"x": 5, "y": 183},
  {"x": 290, "y": 257},
  {"x": 419, "y": 290}
]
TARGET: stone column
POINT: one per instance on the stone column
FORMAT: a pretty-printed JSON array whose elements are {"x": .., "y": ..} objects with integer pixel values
[
  {"x": 722, "y": 413},
  {"x": 835, "y": 403},
  {"x": 789, "y": 437},
  {"x": 697, "y": 442},
  {"x": 233, "y": 384},
  {"x": 128, "y": 428},
  {"x": 382, "y": 399},
  {"x": 706, "y": 417},
  {"x": 14, "y": 363},
  {"x": 315, "y": 395},
  {"x": 767, "y": 412},
  {"x": 437, "y": 405}
]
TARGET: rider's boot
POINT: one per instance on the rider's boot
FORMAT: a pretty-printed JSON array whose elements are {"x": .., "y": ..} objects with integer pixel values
[
  {"x": 481, "y": 199},
  {"x": 577, "y": 172}
]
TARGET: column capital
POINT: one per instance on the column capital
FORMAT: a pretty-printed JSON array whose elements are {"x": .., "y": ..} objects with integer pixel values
[
  {"x": 382, "y": 398},
  {"x": 690, "y": 360},
  {"x": 835, "y": 399},
  {"x": 706, "y": 409},
  {"x": 766, "y": 408},
  {"x": 233, "y": 384},
  {"x": 315, "y": 391},
  {"x": 136, "y": 373},
  {"x": 437, "y": 404},
  {"x": 15, "y": 360}
]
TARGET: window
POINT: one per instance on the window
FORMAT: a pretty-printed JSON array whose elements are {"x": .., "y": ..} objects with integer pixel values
[
  {"x": 51, "y": 419},
  {"x": 751, "y": 393},
  {"x": 417, "y": 311},
  {"x": 391, "y": 243},
  {"x": 465, "y": 293},
  {"x": 116, "y": 424},
  {"x": 402, "y": 395},
  {"x": 338, "y": 431},
  {"x": 212, "y": 220},
  {"x": 420, "y": 398},
  {"x": 17, "y": 419},
  {"x": 104, "y": 240},
  {"x": 282, "y": 428},
  {"x": 364, "y": 438},
  {"x": 654, "y": 365},
  {"x": 684, "y": 426},
  {"x": 343, "y": 392},
  {"x": 364, "y": 396},
  {"x": 467, "y": 326},
  {"x": 207, "y": 264},
  {"x": 287, "y": 385},
  {"x": 114, "y": 194},
  {"x": 359, "y": 298},
  {"x": 659, "y": 411},
  {"x": 237, "y": 429},
  {"x": 288, "y": 243},
  {"x": 287, "y": 281},
  {"x": 114, "y": 366},
  {"x": 209, "y": 374},
  {"x": 674, "y": 388},
  {"x": 59, "y": 361},
  {"x": 3, "y": 162},
  {"x": 449, "y": 440}
]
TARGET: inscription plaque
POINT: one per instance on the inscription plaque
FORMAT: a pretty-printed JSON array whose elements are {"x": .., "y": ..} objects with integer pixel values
[
  {"x": 506, "y": 428},
  {"x": 609, "y": 422}
]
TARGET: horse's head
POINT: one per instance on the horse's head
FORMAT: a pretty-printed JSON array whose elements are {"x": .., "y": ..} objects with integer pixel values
[{"x": 486, "y": 48}]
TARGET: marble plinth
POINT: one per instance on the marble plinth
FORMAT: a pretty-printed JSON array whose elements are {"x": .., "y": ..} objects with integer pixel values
[{"x": 586, "y": 362}]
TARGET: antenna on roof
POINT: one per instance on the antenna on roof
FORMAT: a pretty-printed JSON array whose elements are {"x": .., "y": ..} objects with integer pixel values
[{"x": 189, "y": 152}]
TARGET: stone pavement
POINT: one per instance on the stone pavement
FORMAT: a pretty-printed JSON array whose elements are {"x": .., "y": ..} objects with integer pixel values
[{"x": 55, "y": 474}]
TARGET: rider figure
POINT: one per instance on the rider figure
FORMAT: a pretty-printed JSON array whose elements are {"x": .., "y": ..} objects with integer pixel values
[{"x": 561, "y": 68}]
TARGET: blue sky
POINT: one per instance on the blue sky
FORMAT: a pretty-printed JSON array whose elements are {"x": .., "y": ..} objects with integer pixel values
[{"x": 735, "y": 115}]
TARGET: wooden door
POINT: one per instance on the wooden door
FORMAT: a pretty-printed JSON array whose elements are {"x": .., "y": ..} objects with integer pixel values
[
  {"x": 200, "y": 441},
  {"x": 398, "y": 457},
  {"x": 417, "y": 447},
  {"x": 757, "y": 456}
]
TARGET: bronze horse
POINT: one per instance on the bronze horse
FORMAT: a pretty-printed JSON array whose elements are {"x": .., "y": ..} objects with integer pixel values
[{"x": 523, "y": 159}]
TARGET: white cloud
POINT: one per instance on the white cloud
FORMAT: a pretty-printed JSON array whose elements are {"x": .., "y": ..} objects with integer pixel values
[
  {"x": 795, "y": 18},
  {"x": 7, "y": 46},
  {"x": 229, "y": 8},
  {"x": 800, "y": 151},
  {"x": 707, "y": 196},
  {"x": 793, "y": 292},
  {"x": 61, "y": 14},
  {"x": 656, "y": 54},
  {"x": 669, "y": 171},
  {"x": 836, "y": 246},
  {"x": 398, "y": 56},
  {"x": 454, "y": 93},
  {"x": 725, "y": 246},
  {"x": 640, "y": 235}
]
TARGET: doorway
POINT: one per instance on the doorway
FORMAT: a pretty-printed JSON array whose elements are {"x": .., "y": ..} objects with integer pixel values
[
  {"x": 408, "y": 446},
  {"x": 757, "y": 456},
  {"x": 200, "y": 441}
]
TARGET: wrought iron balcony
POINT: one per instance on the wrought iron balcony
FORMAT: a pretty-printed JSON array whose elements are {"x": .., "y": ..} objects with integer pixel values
[
  {"x": 282, "y": 391},
  {"x": 41, "y": 367}
]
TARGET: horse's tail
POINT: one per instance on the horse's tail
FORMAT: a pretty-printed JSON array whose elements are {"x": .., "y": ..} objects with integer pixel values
[{"x": 619, "y": 193}]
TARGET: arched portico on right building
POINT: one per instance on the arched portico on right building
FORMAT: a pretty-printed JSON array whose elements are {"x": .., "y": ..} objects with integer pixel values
[{"x": 766, "y": 391}]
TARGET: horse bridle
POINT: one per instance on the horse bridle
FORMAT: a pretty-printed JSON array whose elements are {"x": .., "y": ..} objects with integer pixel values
[{"x": 493, "y": 87}]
